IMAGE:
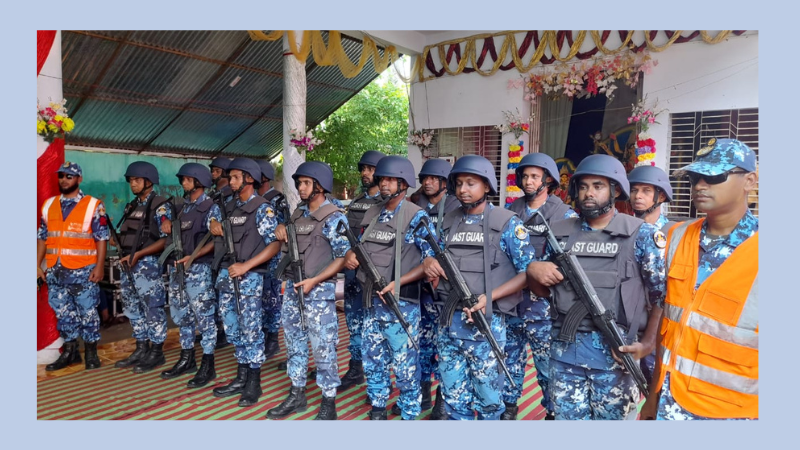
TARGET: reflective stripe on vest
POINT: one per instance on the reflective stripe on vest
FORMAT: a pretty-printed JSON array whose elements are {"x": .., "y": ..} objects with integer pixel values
[
  {"x": 69, "y": 239},
  {"x": 709, "y": 339}
]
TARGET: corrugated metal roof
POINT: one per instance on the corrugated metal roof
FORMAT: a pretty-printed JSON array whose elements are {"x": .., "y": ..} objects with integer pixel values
[{"x": 169, "y": 91}]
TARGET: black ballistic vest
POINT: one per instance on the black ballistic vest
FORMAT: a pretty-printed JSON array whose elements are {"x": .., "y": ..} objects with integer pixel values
[
  {"x": 447, "y": 204},
  {"x": 246, "y": 240},
  {"x": 380, "y": 245},
  {"x": 553, "y": 209},
  {"x": 465, "y": 244},
  {"x": 191, "y": 224},
  {"x": 356, "y": 210},
  {"x": 315, "y": 250},
  {"x": 608, "y": 258},
  {"x": 138, "y": 218}
]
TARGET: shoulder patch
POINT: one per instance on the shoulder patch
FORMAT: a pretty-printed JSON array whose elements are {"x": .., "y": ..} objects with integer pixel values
[
  {"x": 660, "y": 239},
  {"x": 270, "y": 212},
  {"x": 520, "y": 232}
]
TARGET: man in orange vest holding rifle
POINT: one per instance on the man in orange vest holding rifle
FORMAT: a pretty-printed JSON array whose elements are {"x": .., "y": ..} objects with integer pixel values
[
  {"x": 707, "y": 354},
  {"x": 72, "y": 237}
]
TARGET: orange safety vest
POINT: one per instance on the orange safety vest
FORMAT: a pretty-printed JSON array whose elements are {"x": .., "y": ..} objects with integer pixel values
[
  {"x": 709, "y": 336},
  {"x": 70, "y": 240}
]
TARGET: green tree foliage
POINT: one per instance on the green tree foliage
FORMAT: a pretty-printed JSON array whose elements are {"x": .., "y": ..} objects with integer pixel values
[{"x": 374, "y": 119}]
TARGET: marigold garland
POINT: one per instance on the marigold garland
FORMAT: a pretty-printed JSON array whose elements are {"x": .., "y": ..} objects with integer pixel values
[{"x": 514, "y": 156}]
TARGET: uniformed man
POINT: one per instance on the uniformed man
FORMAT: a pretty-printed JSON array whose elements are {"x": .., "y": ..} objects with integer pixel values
[
  {"x": 72, "y": 237},
  {"x": 143, "y": 297},
  {"x": 707, "y": 360},
  {"x": 397, "y": 251},
  {"x": 491, "y": 248},
  {"x": 623, "y": 259},
  {"x": 353, "y": 303},
  {"x": 434, "y": 199},
  {"x": 650, "y": 188},
  {"x": 322, "y": 251},
  {"x": 272, "y": 286},
  {"x": 220, "y": 179},
  {"x": 537, "y": 176},
  {"x": 192, "y": 300},
  {"x": 252, "y": 222}
]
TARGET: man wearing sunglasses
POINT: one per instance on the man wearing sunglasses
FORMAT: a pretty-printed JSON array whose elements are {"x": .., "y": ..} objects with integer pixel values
[
  {"x": 707, "y": 355},
  {"x": 72, "y": 237}
]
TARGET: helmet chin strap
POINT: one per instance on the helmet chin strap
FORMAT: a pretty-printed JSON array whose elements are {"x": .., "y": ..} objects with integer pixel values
[
  {"x": 601, "y": 210},
  {"x": 656, "y": 204},
  {"x": 442, "y": 187},
  {"x": 473, "y": 204},
  {"x": 534, "y": 194}
]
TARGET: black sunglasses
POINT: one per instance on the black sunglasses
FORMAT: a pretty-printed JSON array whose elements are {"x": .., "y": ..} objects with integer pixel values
[
  {"x": 713, "y": 179},
  {"x": 69, "y": 176}
]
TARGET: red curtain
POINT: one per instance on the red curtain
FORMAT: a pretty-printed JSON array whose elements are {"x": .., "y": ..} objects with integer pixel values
[{"x": 47, "y": 186}]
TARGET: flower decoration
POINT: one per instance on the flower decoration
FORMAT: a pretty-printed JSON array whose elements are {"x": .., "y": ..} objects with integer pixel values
[
  {"x": 422, "y": 139},
  {"x": 515, "y": 150},
  {"x": 303, "y": 141},
  {"x": 53, "y": 121},
  {"x": 645, "y": 152},
  {"x": 643, "y": 116},
  {"x": 587, "y": 79},
  {"x": 514, "y": 124}
]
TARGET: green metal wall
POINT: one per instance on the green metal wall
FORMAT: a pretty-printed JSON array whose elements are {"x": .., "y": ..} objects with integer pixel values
[{"x": 103, "y": 176}]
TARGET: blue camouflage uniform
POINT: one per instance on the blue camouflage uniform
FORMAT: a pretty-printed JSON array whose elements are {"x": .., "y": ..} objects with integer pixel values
[
  {"x": 244, "y": 330},
  {"x": 471, "y": 377},
  {"x": 198, "y": 301},
  {"x": 271, "y": 300},
  {"x": 385, "y": 342},
  {"x": 532, "y": 325},
  {"x": 147, "y": 316},
  {"x": 648, "y": 363},
  {"x": 320, "y": 311},
  {"x": 586, "y": 381},
  {"x": 354, "y": 306},
  {"x": 70, "y": 293},
  {"x": 712, "y": 254}
]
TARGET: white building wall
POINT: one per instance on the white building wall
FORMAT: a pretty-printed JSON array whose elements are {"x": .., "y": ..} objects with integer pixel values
[{"x": 692, "y": 76}]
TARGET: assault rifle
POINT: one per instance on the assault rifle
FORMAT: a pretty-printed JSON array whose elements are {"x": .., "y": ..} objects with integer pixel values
[
  {"x": 461, "y": 296},
  {"x": 292, "y": 260},
  {"x": 378, "y": 281},
  {"x": 603, "y": 319},
  {"x": 230, "y": 249},
  {"x": 176, "y": 249}
]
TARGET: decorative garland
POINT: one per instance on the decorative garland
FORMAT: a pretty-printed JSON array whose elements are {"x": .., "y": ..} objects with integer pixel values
[
  {"x": 473, "y": 60},
  {"x": 514, "y": 156}
]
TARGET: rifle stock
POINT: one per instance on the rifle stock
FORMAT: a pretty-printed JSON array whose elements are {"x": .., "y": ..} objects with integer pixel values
[{"x": 603, "y": 319}]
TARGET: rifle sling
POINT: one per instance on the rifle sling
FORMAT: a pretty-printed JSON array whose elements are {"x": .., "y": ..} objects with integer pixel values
[{"x": 486, "y": 265}]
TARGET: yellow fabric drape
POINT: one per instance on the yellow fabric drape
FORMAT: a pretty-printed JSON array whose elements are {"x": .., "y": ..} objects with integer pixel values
[{"x": 333, "y": 54}]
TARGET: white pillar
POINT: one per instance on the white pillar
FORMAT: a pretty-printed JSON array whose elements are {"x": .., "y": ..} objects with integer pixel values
[
  {"x": 294, "y": 115},
  {"x": 49, "y": 85}
]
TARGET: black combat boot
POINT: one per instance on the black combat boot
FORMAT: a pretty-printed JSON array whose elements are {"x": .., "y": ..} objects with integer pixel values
[
  {"x": 327, "y": 410},
  {"x": 205, "y": 374},
  {"x": 271, "y": 346},
  {"x": 378, "y": 414},
  {"x": 142, "y": 347},
  {"x": 439, "y": 412},
  {"x": 186, "y": 363},
  {"x": 426, "y": 395},
  {"x": 155, "y": 357},
  {"x": 353, "y": 377},
  {"x": 252, "y": 388},
  {"x": 237, "y": 385},
  {"x": 69, "y": 356},
  {"x": 511, "y": 411},
  {"x": 222, "y": 340},
  {"x": 92, "y": 360},
  {"x": 294, "y": 403}
]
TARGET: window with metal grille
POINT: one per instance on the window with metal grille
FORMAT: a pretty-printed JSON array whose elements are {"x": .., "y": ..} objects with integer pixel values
[
  {"x": 691, "y": 130},
  {"x": 485, "y": 141}
]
